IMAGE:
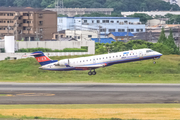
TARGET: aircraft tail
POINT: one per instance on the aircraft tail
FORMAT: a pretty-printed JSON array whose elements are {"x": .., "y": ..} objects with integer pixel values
[{"x": 42, "y": 59}]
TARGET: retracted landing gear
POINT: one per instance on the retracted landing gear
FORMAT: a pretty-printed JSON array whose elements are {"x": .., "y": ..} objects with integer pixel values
[{"x": 92, "y": 73}]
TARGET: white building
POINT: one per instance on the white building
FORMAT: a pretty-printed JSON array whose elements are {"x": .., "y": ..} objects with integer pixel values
[
  {"x": 103, "y": 24},
  {"x": 151, "y": 13},
  {"x": 82, "y": 35}
]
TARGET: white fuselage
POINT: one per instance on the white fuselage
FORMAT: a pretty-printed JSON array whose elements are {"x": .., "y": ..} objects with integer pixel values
[{"x": 108, "y": 59}]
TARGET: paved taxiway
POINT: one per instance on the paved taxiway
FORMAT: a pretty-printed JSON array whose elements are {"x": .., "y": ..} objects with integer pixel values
[{"x": 48, "y": 93}]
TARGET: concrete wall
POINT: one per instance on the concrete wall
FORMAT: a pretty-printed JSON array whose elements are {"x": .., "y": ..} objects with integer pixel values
[
  {"x": 25, "y": 55},
  {"x": 60, "y": 45},
  {"x": 1, "y": 44}
]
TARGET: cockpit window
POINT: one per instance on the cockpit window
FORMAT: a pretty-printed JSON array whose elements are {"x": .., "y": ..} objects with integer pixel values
[{"x": 148, "y": 51}]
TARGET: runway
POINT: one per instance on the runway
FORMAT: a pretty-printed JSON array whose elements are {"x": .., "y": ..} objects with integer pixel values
[{"x": 48, "y": 93}]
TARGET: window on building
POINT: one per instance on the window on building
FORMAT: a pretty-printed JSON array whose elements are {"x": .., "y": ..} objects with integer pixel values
[
  {"x": 40, "y": 22},
  {"x": 78, "y": 37},
  {"x": 40, "y": 30},
  {"x": 129, "y": 30},
  {"x": 112, "y": 30},
  {"x": 85, "y": 21},
  {"x": 117, "y": 21},
  {"x": 102, "y": 30},
  {"x": 137, "y": 30},
  {"x": 24, "y": 28},
  {"x": 11, "y": 14},
  {"x": 112, "y": 21},
  {"x": 40, "y": 15},
  {"x": 132, "y": 30},
  {"x": 92, "y": 21},
  {"x": 61, "y": 36},
  {"x": 70, "y": 36},
  {"x": 107, "y": 21},
  {"x": 98, "y": 21},
  {"x": 104, "y": 21},
  {"x": 141, "y": 30},
  {"x": 24, "y": 21},
  {"x": 126, "y": 22},
  {"x": 89, "y": 36},
  {"x": 56, "y": 36},
  {"x": 67, "y": 36},
  {"x": 8, "y": 14},
  {"x": 121, "y": 30},
  {"x": 8, "y": 21}
]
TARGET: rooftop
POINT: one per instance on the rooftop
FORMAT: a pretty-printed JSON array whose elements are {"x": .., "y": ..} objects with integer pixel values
[
  {"x": 103, "y": 40},
  {"x": 116, "y": 34},
  {"x": 101, "y": 17},
  {"x": 17, "y": 9}
]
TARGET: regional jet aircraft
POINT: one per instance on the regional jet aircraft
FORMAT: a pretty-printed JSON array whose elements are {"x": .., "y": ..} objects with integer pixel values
[{"x": 93, "y": 62}]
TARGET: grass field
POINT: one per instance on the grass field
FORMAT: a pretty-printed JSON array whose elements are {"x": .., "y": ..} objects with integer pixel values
[
  {"x": 105, "y": 112},
  {"x": 166, "y": 70}
]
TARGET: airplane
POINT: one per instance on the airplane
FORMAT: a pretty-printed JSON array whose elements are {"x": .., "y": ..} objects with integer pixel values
[{"x": 93, "y": 62}]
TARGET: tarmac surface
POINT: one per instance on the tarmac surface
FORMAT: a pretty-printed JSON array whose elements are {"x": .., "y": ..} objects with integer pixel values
[{"x": 52, "y": 93}]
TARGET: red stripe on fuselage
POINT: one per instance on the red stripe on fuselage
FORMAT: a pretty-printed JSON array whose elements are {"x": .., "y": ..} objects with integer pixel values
[{"x": 42, "y": 59}]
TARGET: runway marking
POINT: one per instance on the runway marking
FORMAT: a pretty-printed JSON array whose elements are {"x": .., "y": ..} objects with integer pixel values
[
  {"x": 34, "y": 94},
  {"x": 94, "y": 113},
  {"x": 27, "y": 94}
]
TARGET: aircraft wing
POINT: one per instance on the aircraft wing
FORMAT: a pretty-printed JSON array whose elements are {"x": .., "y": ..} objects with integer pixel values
[{"x": 88, "y": 67}]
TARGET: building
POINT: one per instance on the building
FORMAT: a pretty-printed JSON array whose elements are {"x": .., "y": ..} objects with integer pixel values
[
  {"x": 70, "y": 12},
  {"x": 82, "y": 35},
  {"x": 120, "y": 35},
  {"x": 155, "y": 22},
  {"x": 104, "y": 25},
  {"x": 58, "y": 35},
  {"x": 152, "y": 13},
  {"x": 28, "y": 23}
]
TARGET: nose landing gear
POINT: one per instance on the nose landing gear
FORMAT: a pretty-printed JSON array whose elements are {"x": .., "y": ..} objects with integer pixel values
[
  {"x": 92, "y": 73},
  {"x": 154, "y": 61}
]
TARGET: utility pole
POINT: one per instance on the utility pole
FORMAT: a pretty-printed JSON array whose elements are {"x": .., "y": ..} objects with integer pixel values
[
  {"x": 127, "y": 33},
  {"x": 59, "y": 5},
  {"x": 99, "y": 34},
  {"x": 16, "y": 32}
]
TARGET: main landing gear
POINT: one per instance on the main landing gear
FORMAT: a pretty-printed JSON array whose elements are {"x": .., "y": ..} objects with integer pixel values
[
  {"x": 92, "y": 73},
  {"x": 154, "y": 61}
]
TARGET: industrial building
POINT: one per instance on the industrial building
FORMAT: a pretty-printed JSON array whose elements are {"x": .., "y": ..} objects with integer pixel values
[
  {"x": 104, "y": 25},
  {"x": 27, "y": 24},
  {"x": 70, "y": 12}
]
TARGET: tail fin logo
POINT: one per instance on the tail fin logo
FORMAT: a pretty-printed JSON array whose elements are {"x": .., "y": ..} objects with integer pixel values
[{"x": 42, "y": 59}]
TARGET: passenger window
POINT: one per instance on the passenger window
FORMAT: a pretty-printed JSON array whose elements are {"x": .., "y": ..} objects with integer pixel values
[
  {"x": 116, "y": 56},
  {"x": 99, "y": 58},
  {"x": 109, "y": 56},
  {"x": 106, "y": 57},
  {"x": 83, "y": 60}
]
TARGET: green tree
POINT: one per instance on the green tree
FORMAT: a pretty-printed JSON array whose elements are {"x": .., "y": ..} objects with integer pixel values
[
  {"x": 171, "y": 44},
  {"x": 162, "y": 37}
]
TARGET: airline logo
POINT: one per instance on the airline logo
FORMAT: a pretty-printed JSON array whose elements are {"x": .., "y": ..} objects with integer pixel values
[{"x": 42, "y": 59}]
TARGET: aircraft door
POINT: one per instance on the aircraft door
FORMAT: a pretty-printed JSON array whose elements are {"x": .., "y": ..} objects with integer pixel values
[
  {"x": 140, "y": 53},
  {"x": 94, "y": 60}
]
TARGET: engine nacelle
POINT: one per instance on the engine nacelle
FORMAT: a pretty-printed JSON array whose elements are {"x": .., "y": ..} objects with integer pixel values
[{"x": 63, "y": 62}]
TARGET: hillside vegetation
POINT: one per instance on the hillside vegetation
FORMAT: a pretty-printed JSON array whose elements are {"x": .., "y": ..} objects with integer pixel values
[
  {"x": 118, "y": 5},
  {"x": 166, "y": 70}
]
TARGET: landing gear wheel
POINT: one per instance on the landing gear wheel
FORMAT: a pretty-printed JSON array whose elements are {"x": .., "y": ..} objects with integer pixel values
[
  {"x": 89, "y": 73},
  {"x": 94, "y": 72},
  {"x": 154, "y": 62}
]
